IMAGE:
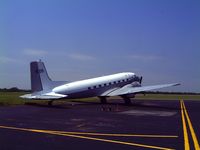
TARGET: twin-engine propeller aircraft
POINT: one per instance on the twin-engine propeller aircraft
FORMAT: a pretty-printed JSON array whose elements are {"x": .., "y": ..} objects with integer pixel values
[{"x": 125, "y": 84}]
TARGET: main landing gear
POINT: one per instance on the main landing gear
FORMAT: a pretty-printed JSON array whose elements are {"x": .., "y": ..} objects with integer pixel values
[
  {"x": 103, "y": 100},
  {"x": 127, "y": 100},
  {"x": 50, "y": 103}
]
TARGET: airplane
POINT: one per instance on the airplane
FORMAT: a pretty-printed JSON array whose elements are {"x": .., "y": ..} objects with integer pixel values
[{"x": 125, "y": 85}]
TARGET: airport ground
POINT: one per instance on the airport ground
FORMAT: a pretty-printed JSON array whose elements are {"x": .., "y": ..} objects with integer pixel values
[{"x": 149, "y": 123}]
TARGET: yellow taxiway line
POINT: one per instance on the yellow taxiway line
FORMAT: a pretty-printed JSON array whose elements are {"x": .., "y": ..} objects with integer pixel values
[
  {"x": 89, "y": 138},
  {"x": 118, "y": 135},
  {"x": 114, "y": 141},
  {"x": 185, "y": 134},
  {"x": 94, "y": 134},
  {"x": 194, "y": 138}
]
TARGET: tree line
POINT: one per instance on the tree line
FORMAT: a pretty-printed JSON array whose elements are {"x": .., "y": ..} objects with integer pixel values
[{"x": 13, "y": 89}]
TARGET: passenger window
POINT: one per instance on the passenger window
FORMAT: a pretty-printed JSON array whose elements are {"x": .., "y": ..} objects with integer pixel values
[
  {"x": 105, "y": 84},
  {"x": 89, "y": 88},
  {"x": 94, "y": 87}
]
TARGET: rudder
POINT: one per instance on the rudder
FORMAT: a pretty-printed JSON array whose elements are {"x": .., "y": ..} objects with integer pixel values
[{"x": 39, "y": 77}]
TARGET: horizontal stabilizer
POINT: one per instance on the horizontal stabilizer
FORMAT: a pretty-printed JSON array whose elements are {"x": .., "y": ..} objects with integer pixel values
[{"x": 50, "y": 95}]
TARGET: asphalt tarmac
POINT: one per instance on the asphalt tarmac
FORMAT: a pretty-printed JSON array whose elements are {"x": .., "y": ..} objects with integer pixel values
[{"x": 147, "y": 124}]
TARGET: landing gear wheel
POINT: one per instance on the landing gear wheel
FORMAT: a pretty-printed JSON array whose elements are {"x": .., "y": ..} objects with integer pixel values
[
  {"x": 50, "y": 103},
  {"x": 103, "y": 100},
  {"x": 127, "y": 101}
]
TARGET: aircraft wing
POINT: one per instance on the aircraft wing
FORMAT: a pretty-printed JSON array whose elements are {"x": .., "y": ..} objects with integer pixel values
[
  {"x": 129, "y": 89},
  {"x": 50, "y": 95}
]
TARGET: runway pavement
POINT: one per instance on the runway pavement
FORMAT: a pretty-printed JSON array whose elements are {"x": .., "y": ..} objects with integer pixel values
[{"x": 147, "y": 124}]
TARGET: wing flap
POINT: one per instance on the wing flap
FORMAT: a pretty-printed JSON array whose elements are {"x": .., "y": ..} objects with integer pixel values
[{"x": 128, "y": 89}]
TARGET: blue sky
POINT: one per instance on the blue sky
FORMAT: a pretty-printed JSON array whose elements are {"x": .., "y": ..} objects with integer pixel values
[{"x": 80, "y": 39}]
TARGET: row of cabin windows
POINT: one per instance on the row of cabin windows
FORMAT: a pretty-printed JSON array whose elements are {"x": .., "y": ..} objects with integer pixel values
[{"x": 110, "y": 83}]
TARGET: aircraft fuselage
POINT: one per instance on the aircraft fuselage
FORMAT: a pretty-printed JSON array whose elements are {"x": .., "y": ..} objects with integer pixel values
[{"x": 96, "y": 86}]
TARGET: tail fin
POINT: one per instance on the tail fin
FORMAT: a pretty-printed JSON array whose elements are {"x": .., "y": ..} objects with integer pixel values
[{"x": 39, "y": 78}]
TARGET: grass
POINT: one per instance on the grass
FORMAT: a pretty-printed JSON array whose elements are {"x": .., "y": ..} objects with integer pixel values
[{"x": 12, "y": 98}]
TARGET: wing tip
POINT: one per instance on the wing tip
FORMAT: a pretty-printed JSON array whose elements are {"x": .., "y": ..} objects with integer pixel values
[{"x": 176, "y": 84}]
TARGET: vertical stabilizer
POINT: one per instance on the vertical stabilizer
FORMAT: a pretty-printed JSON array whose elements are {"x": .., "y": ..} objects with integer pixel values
[{"x": 39, "y": 78}]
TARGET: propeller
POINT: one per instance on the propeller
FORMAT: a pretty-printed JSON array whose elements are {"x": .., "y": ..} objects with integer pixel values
[{"x": 140, "y": 81}]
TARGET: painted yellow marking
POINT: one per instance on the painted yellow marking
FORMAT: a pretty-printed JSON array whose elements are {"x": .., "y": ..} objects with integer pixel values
[
  {"x": 89, "y": 138},
  {"x": 118, "y": 135},
  {"x": 114, "y": 141},
  {"x": 98, "y": 134},
  {"x": 195, "y": 141},
  {"x": 186, "y": 141}
]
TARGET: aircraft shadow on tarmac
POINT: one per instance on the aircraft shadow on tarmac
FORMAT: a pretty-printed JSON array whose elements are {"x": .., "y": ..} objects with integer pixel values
[
  {"x": 57, "y": 106},
  {"x": 137, "y": 104}
]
